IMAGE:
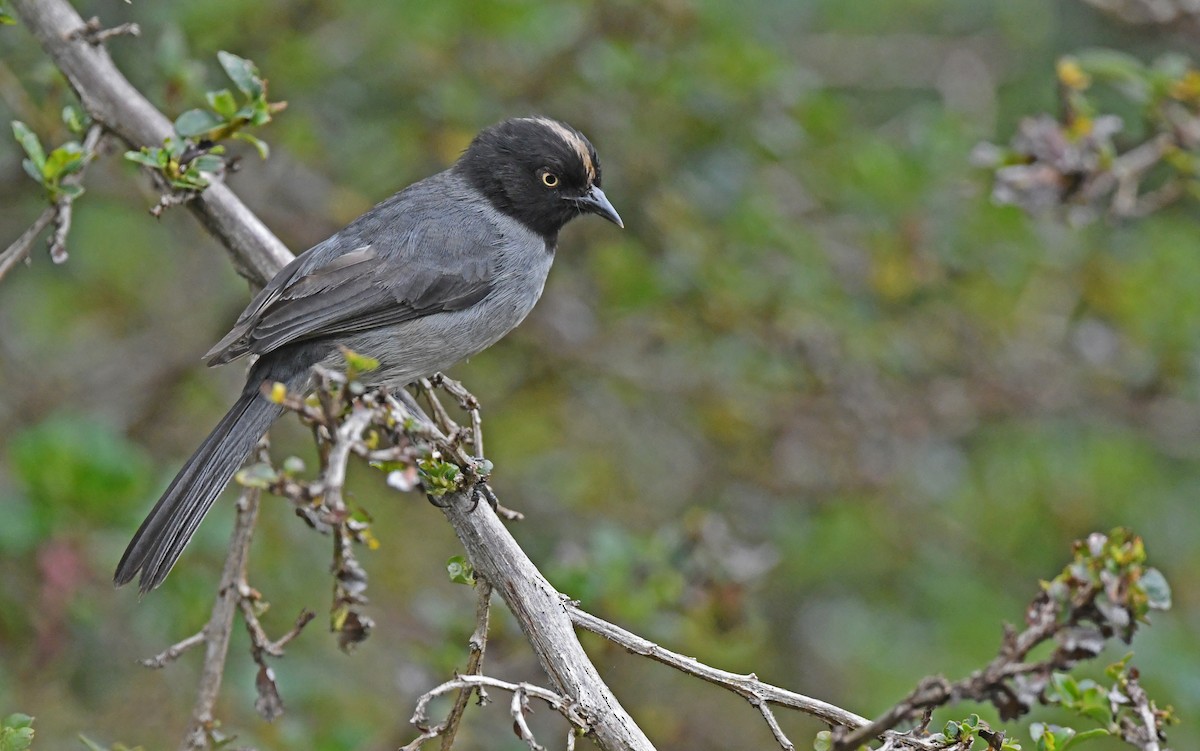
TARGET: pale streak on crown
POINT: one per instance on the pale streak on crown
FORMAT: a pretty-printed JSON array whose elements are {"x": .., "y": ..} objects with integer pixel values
[{"x": 573, "y": 140}]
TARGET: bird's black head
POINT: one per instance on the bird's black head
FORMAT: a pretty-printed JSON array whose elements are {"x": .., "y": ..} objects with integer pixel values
[{"x": 539, "y": 171}]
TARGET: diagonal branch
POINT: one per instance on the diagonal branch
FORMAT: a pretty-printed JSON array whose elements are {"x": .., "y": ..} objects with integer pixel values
[{"x": 759, "y": 694}]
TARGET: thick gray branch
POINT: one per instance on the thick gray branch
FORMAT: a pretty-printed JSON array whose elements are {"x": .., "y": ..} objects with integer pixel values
[
  {"x": 542, "y": 614},
  {"x": 113, "y": 102}
]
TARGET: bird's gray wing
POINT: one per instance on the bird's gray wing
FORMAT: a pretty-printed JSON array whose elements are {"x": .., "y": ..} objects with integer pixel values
[{"x": 426, "y": 270}]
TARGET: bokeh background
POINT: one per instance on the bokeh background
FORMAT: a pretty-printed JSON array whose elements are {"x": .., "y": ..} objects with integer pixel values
[{"x": 821, "y": 411}]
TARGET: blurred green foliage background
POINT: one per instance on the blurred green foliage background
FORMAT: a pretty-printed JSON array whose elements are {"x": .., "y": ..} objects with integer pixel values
[{"x": 821, "y": 412}]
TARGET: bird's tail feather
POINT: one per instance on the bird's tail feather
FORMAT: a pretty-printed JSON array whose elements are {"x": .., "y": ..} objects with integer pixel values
[{"x": 166, "y": 531}]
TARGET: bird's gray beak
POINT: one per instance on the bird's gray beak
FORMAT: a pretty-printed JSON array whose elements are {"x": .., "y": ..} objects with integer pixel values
[{"x": 595, "y": 202}]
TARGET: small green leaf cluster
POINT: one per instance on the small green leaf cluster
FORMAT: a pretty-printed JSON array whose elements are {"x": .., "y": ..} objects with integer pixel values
[
  {"x": 227, "y": 116},
  {"x": 182, "y": 164},
  {"x": 16, "y": 732},
  {"x": 1112, "y": 707},
  {"x": 460, "y": 570},
  {"x": 6, "y": 19},
  {"x": 439, "y": 477},
  {"x": 967, "y": 731},
  {"x": 185, "y": 160},
  {"x": 48, "y": 170},
  {"x": 1113, "y": 566},
  {"x": 1059, "y": 738}
]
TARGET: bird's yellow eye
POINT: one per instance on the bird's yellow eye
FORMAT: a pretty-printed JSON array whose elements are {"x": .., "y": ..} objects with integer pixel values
[{"x": 549, "y": 179}]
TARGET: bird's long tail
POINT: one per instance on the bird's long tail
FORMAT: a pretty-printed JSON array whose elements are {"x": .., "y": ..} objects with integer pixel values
[{"x": 170, "y": 525}]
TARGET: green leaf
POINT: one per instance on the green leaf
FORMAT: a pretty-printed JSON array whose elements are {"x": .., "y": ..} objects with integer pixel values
[
  {"x": 194, "y": 123},
  {"x": 264, "y": 151},
  {"x": 260, "y": 112},
  {"x": 6, "y": 20},
  {"x": 222, "y": 102},
  {"x": 16, "y": 732},
  {"x": 74, "y": 191},
  {"x": 29, "y": 141},
  {"x": 63, "y": 161},
  {"x": 460, "y": 571},
  {"x": 207, "y": 163},
  {"x": 823, "y": 741},
  {"x": 1086, "y": 735},
  {"x": 438, "y": 477},
  {"x": 1158, "y": 592},
  {"x": 1063, "y": 689},
  {"x": 1114, "y": 671},
  {"x": 242, "y": 72},
  {"x": 33, "y": 171},
  {"x": 145, "y": 156},
  {"x": 189, "y": 181}
]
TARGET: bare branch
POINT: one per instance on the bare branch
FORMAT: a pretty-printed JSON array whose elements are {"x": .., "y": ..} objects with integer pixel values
[
  {"x": 172, "y": 653},
  {"x": 769, "y": 716},
  {"x": 220, "y": 623},
  {"x": 749, "y": 687}
]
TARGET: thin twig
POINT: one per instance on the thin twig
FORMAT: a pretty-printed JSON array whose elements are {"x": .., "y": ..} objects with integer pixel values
[
  {"x": 19, "y": 249},
  {"x": 769, "y": 716},
  {"x": 172, "y": 653},
  {"x": 748, "y": 686},
  {"x": 95, "y": 34},
  {"x": 220, "y": 623},
  {"x": 557, "y": 702},
  {"x": 259, "y": 641},
  {"x": 444, "y": 421},
  {"x": 66, "y": 201},
  {"x": 339, "y": 457},
  {"x": 468, "y": 403},
  {"x": 59, "y": 213},
  {"x": 477, "y": 645},
  {"x": 518, "y": 708}
]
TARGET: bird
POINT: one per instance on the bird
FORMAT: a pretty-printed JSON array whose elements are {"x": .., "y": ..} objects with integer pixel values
[{"x": 433, "y": 275}]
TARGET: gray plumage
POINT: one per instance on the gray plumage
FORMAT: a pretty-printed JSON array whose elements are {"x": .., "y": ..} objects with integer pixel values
[{"x": 434, "y": 274}]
